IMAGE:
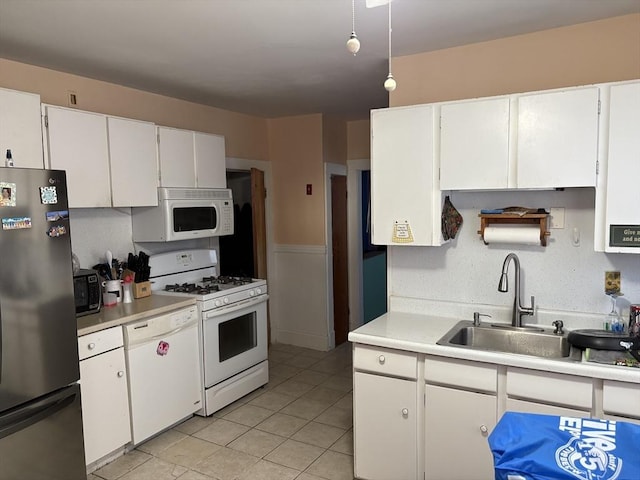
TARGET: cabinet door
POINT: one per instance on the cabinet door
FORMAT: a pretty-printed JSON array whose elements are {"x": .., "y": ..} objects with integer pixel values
[
  {"x": 405, "y": 202},
  {"x": 623, "y": 163},
  {"x": 558, "y": 139},
  {"x": 105, "y": 404},
  {"x": 385, "y": 428},
  {"x": 474, "y": 145},
  {"x": 20, "y": 128},
  {"x": 459, "y": 422},
  {"x": 134, "y": 165},
  {"x": 176, "y": 156},
  {"x": 211, "y": 170},
  {"x": 77, "y": 143}
]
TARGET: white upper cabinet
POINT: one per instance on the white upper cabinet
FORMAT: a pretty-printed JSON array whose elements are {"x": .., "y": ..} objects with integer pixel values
[
  {"x": 474, "y": 144},
  {"x": 176, "y": 157},
  {"x": 622, "y": 192},
  {"x": 20, "y": 129},
  {"x": 77, "y": 142},
  {"x": 110, "y": 161},
  {"x": 211, "y": 171},
  {"x": 133, "y": 161},
  {"x": 558, "y": 139},
  {"x": 533, "y": 141},
  {"x": 191, "y": 159},
  {"x": 405, "y": 200}
]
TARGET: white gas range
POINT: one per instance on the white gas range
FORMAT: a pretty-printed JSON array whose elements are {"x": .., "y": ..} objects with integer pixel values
[{"x": 232, "y": 323}]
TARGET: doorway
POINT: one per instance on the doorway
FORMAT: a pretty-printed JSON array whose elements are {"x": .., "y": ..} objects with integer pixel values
[
  {"x": 339, "y": 250},
  {"x": 243, "y": 254}
]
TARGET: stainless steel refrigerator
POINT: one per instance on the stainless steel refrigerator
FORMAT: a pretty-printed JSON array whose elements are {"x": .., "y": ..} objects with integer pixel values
[{"x": 40, "y": 411}]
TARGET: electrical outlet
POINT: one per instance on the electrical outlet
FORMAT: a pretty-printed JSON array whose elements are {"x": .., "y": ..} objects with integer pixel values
[
  {"x": 611, "y": 282},
  {"x": 557, "y": 217}
]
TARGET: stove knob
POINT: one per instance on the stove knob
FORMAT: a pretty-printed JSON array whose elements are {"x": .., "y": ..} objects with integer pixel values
[
  {"x": 217, "y": 303},
  {"x": 225, "y": 300},
  {"x": 258, "y": 291},
  {"x": 252, "y": 293}
]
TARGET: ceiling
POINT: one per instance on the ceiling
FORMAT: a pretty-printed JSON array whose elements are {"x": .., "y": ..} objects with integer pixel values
[{"x": 265, "y": 57}]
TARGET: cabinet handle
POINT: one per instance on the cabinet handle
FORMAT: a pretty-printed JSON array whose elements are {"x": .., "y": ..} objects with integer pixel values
[
  {"x": 120, "y": 374},
  {"x": 381, "y": 359},
  {"x": 91, "y": 346},
  {"x": 484, "y": 430},
  {"x": 405, "y": 412}
]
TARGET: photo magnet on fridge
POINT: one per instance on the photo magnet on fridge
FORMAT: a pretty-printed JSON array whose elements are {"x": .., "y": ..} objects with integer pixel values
[{"x": 8, "y": 194}]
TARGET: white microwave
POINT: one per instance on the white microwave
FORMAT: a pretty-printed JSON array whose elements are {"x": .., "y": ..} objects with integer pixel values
[{"x": 183, "y": 214}]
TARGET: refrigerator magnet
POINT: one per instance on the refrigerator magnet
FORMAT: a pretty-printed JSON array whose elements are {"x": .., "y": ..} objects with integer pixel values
[
  {"x": 57, "y": 215},
  {"x": 8, "y": 196},
  {"x": 16, "y": 223},
  {"x": 48, "y": 195},
  {"x": 57, "y": 231}
]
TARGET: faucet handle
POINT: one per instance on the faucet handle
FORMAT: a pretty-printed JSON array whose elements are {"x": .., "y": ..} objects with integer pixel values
[{"x": 532, "y": 309}]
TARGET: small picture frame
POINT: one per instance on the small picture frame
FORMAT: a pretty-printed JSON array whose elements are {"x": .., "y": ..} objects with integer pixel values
[{"x": 7, "y": 194}]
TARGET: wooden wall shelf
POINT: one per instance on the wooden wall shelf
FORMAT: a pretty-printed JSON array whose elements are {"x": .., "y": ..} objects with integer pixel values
[{"x": 540, "y": 219}]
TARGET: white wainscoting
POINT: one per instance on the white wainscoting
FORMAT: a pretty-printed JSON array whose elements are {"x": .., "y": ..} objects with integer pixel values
[{"x": 298, "y": 296}]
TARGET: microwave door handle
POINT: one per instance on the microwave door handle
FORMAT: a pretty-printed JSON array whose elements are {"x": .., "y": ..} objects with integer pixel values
[{"x": 236, "y": 306}]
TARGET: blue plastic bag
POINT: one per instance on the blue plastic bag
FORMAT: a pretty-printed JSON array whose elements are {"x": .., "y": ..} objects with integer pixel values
[{"x": 528, "y": 446}]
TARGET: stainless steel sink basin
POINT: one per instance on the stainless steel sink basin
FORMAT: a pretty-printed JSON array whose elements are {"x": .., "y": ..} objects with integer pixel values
[{"x": 507, "y": 339}]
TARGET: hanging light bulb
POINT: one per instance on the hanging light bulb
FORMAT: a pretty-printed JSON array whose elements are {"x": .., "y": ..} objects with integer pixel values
[
  {"x": 353, "y": 44},
  {"x": 390, "y": 83}
]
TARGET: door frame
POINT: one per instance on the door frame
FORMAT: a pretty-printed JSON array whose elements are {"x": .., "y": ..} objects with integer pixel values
[
  {"x": 331, "y": 169},
  {"x": 243, "y": 164},
  {"x": 354, "y": 231}
]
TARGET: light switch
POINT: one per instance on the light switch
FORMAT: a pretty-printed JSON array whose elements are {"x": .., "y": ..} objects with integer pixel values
[{"x": 557, "y": 217}]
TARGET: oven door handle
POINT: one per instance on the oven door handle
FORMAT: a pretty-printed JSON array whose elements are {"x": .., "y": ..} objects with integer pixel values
[{"x": 236, "y": 306}]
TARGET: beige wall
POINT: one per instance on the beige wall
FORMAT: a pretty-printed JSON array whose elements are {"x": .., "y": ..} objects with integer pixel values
[
  {"x": 245, "y": 135},
  {"x": 358, "y": 140},
  {"x": 602, "y": 51},
  {"x": 334, "y": 140},
  {"x": 295, "y": 150}
]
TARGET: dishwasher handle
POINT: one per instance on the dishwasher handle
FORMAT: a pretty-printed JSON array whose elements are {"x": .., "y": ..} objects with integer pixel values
[{"x": 141, "y": 339}]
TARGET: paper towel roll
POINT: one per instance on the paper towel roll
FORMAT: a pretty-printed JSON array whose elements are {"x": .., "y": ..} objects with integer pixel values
[{"x": 521, "y": 235}]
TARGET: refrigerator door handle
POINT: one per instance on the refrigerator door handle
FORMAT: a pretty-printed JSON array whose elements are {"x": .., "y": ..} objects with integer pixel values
[{"x": 24, "y": 417}]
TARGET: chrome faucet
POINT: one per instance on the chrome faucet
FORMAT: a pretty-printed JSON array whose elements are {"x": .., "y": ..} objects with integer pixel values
[{"x": 503, "y": 286}]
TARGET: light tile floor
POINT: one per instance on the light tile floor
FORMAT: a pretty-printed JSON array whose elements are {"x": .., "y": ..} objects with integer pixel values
[{"x": 299, "y": 426}]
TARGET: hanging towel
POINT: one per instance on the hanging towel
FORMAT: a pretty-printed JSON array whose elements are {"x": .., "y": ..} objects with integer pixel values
[{"x": 451, "y": 219}]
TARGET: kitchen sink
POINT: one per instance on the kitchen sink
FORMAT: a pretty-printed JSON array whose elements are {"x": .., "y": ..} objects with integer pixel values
[{"x": 505, "y": 338}]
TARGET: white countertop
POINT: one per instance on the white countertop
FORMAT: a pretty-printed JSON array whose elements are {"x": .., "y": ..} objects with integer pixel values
[
  {"x": 419, "y": 333},
  {"x": 139, "y": 309}
]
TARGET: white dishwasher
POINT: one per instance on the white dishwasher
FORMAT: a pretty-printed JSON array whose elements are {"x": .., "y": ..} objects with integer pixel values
[{"x": 163, "y": 371}]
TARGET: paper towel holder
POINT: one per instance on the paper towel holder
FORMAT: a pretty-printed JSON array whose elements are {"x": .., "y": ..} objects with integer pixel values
[{"x": 540, "y": 219}]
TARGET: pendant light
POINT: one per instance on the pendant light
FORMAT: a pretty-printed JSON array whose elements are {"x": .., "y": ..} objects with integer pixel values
[
  {"x": 390, "y": 83},
  {"x": 353, "y": 44}
]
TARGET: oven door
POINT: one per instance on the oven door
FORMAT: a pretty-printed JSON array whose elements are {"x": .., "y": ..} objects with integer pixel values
[{"x": 234, "y": 339}]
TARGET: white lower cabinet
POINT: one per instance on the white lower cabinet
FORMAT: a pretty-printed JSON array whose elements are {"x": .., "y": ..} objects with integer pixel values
[
  {"x": 526, "y": 406},
  {"x": 385, "y": 427},
  {"x": 385, "y": 414},
  {"x": 437, "y": 427},
  {"x": 460, "y": 412},
  {"x": 548, "y": 393},
  {"x": 457, "y": 424},
  {"x": 103, "y": 389}
]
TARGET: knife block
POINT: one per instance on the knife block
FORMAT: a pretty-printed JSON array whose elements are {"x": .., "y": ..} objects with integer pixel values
[{"x": 142, "y": 289}]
